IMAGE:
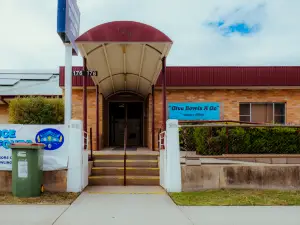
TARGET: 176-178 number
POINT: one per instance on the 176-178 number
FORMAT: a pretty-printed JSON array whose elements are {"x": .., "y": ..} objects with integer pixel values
[{"x": 81, "y": 73}]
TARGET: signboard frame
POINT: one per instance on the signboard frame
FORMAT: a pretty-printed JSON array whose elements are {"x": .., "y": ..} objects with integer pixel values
[{"x": 68, "y": 22}]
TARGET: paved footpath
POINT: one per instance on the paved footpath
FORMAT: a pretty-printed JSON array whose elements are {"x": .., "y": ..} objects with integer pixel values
[
  {"x": 116, "y": 206},
  {"x": 30, "y": 214},
  {"x": 142, "y": 205}
]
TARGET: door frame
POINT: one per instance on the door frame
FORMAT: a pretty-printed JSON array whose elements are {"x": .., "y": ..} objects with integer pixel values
[{"x": 143, "y": 118}]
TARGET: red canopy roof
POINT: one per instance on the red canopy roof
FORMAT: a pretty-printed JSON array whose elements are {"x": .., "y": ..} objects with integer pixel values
[{"x": 123, "y": 31}]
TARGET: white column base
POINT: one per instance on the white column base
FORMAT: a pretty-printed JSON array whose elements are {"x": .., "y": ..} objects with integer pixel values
[
  {"x": 173, "y": 167},
  {"x": 75, "y": 163}
]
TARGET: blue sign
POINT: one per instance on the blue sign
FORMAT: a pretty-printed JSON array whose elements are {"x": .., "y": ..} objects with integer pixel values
[
  {"x": 68, "y": 21},
  {"x": 194, "y": 110},
  {"x": 51, "y": 138}
]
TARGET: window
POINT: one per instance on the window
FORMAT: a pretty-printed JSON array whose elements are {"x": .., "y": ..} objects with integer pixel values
[{"x": 263, "y": 112}]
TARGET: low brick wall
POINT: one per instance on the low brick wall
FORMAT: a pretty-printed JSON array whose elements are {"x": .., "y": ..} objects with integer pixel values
[
  {"x": 259, "y": 158},
  {"x": 269, "y": 160},
  {"x": 54, "y": 181},
  {"x": 281, "y": 177}
]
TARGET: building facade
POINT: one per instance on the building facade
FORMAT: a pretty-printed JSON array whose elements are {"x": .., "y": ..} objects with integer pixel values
[{"x": 252, "y": 94}]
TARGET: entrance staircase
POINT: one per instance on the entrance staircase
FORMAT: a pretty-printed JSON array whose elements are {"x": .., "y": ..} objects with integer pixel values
[{"x": 141, "y": 169}]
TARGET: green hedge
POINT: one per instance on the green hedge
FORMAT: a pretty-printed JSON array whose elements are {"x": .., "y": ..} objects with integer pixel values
[
  {"x": 36, "y": 110},
  {"x": 241, "y": 140}
]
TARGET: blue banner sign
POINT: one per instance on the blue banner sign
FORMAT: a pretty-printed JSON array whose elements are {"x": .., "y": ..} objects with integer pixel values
[
  {"x": 194, "y": 110},
  {"x": 68, "y": 21}
]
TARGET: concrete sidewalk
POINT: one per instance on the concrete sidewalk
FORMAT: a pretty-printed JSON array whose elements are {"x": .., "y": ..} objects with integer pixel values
[
  {"x": 114, "y": 206},
  {"x": 30, "y": 214},
  {"x": 142, "y": 205}
]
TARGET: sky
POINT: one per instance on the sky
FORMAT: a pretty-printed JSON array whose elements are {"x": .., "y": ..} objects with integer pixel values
[{"x": 205, "y": 33}]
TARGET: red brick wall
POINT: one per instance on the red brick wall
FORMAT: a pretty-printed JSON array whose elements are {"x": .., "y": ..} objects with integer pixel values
[
  {"x": 54, "y": 181},
  {"x": 77, "y": 110},
  {"x": 230, "y": 100},
  {"x": 149, "y": 122}
]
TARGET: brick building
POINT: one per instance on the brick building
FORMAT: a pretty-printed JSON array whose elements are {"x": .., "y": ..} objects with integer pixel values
[
  {"x": 129, "y": 97},
  {"x": 255, "y": 94}
]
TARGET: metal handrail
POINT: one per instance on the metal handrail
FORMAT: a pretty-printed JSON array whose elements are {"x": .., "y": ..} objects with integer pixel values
[
  {"x": 162, "y": 143},
  {"x": 85, "y": 137},
  {"x": 91, "y": 143},
  {"x": 125, "y": 156}
]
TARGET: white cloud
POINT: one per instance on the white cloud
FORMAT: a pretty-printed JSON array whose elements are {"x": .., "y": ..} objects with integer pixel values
[{"x": 29, "y": 40}]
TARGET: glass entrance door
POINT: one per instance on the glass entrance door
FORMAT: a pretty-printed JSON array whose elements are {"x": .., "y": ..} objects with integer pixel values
[{"x": 122, "y": 114}]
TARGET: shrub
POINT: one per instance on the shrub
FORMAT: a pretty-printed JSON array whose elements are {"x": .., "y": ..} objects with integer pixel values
[
  {"x": 241, "y": 140},
  {"x": 200, "y": 138},
  {"x": 187, "y": 141},
  {"x": 36, "y": 110}
]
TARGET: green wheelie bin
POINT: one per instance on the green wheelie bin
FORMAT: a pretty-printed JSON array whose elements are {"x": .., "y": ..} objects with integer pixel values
[{"x": 27, "y": 169}]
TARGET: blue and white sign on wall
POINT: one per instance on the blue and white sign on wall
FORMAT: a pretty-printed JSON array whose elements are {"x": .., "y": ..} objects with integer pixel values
[
  {"x": 55, "y": 138},
  {"x": 68, "y": 21},
  {"x": 51, "y": 138},
  {"x": 194, "y": 110}
]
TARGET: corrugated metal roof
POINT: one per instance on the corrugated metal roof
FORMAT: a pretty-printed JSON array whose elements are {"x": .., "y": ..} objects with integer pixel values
[
  {"x": 232, "y": 76},
  {"x": 219, "y": 76},
  {"x": 8, "y": 82},
  {"x": 19, "y": 82}
]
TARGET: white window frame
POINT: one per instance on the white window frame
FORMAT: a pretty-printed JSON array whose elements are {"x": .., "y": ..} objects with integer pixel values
[{"x": 265, "y": 103}]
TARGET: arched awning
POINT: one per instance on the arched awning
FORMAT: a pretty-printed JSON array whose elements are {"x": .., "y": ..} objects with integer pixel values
[{"x": 127, "y": 55}]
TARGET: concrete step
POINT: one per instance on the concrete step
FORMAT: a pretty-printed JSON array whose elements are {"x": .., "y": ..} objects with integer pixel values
[
  {"x": 129, "y": 163},
  {"x": 128, "y": 156},
  {"x": 143, "y": 180},
  {"x": 106, "y": 180},
  {"x": 141, "y": 157},
  {"x": 134, "y": 171},
  {"x": 108, "y": 156},
  {"x": 119, "y": 180}
]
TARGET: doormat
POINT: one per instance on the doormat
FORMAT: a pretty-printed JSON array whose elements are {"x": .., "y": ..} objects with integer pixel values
[{"x": 131, "y": 148}]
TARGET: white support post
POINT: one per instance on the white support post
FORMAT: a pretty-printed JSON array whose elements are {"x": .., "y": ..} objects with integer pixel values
[
  {"x": 173, "y": 172},
  {"x": 75, "y": 163},
  {"x": 68, "y": 83}
]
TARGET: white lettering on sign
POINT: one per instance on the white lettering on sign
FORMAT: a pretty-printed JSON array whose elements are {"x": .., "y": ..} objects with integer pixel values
[
  {"x": 21, "y": 154},
  {"x": 89, "y": 73},
  {"x": 78, "y": 73},
  {"x": 22, "y": 169}
]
